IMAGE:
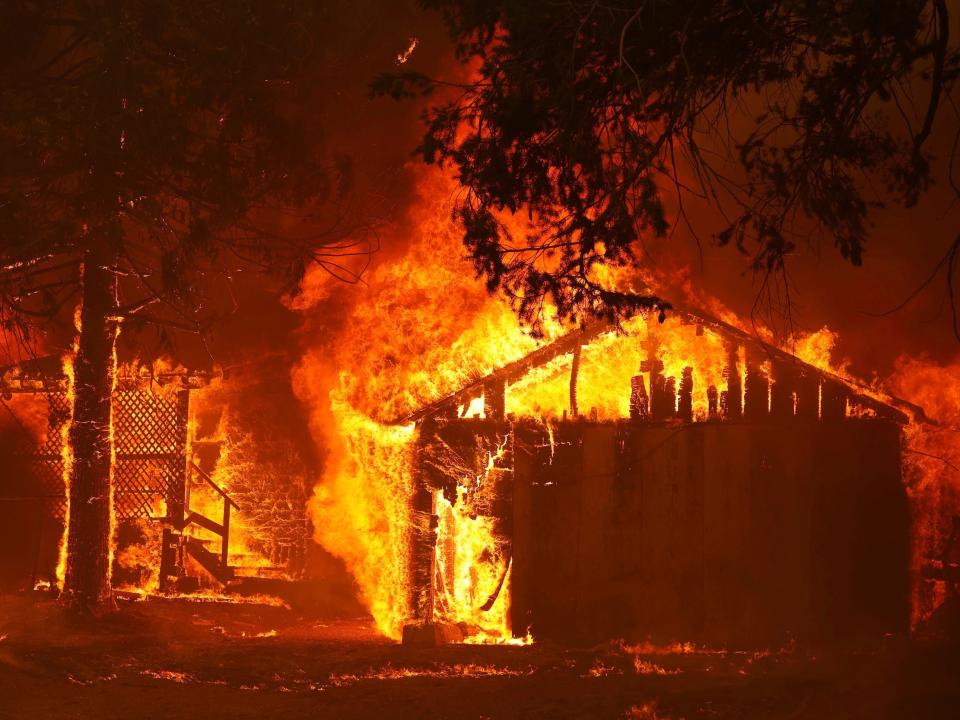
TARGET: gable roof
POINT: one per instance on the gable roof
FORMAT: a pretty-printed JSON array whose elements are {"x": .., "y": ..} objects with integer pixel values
[{"x": 892, "y": 408}]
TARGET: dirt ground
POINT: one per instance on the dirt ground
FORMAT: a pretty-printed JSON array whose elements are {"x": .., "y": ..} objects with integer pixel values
[{"x": 175, "y": 659}]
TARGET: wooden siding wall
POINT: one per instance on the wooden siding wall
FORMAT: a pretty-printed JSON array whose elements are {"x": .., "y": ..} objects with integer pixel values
[{"x": 729, "y": 534}]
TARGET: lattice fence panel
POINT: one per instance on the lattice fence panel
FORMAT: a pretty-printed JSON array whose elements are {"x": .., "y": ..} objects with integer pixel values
[
  {"x": 150, "y": 444},
  {"x": 46, "y": 459}
]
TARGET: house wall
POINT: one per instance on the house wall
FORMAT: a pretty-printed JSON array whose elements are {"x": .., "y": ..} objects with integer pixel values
[{"x": 729, "y": 534}]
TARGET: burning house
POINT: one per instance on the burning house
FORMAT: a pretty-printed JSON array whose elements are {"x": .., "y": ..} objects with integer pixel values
[
  {"x": 611, "y": 347},
  {"x": 679, "y": 480},
  {"x": 676, "y": 481}
]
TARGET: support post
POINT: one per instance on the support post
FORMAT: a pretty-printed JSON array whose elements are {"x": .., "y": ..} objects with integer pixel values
[
  {"x": 86, "y": 584},
  {"x": 423, "y": 540},
  {"x": 756, "y": 396},
  {"x": 734, "y": 401},
  {"x": 176, "y": 490},
  {"x": 225, "y": 541},
  {"x": 574, "y": 375},
  {"x": 685, "y": 396}
]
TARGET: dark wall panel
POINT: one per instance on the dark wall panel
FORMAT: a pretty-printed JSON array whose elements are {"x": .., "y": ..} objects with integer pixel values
[{"x": 734, "y": 534}]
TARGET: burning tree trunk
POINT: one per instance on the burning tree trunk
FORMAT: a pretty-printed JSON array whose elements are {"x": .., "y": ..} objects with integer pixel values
[{"x": 87, "y": 576}]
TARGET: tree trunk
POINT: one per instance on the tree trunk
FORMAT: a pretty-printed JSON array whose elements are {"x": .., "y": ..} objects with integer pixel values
[{"x": 89, "y": 527}]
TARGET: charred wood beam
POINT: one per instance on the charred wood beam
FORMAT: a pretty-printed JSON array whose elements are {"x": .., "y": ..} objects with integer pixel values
[
  {"x": 685, "y": 396},
  {"x": 663, "y": 395},
  {"x": 663, "y": 398},
  {"x": 733, "y": 396},
  {"x": 447, "y": 412},
  {"x": 756, "y": 394},
  {"x": 494, "y": 399},
  {"x": 713, "y": 406},
  {"x": 639, "y": 400}
]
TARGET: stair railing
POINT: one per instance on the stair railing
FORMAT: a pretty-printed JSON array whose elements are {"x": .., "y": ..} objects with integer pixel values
[{"x": 227, "y": 503}]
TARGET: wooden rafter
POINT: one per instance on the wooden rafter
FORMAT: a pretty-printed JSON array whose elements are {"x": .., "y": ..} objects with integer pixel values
[{"x": 892, "y": 408}]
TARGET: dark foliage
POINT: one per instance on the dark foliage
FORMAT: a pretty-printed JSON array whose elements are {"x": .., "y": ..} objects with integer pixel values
[
  {"x": 582, "y": 114},
  {"x": 168, "y": 135}
]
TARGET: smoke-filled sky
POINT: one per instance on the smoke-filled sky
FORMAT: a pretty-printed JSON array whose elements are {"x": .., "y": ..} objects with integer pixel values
[{"x": 379, "y": 136}]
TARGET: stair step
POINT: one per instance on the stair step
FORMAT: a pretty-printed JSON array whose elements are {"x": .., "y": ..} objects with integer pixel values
[
  {"x": 195, "y": 518},
  {"x": 206, "y": 542},
  {"x": 208, "y": 560}
]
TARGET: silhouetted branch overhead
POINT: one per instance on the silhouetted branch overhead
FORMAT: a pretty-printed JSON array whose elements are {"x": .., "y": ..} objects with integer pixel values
[{"x": 578, "y": 118}]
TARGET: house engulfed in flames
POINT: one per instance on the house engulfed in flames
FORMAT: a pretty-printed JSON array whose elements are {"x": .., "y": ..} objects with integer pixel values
[
  {"x": 677, "y": 481},
  {"x": 670, "y": 481}
]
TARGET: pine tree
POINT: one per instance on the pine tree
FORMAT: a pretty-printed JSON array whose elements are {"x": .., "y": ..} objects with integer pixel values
[{"x": 144, "y": 146}]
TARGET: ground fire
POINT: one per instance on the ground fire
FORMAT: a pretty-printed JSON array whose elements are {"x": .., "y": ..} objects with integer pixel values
[{"x": 570, "y": 413}]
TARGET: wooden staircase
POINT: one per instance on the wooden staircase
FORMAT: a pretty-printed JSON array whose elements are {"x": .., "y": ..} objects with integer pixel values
[{"x": 176, "y": 545}]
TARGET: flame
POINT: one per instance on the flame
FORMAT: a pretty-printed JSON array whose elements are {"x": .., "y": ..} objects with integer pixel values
[
  {"x": 30, "y": 416},
  {"x": 66, "y": 452},
  {"x": 404, "y": 56},
  {"x": 931, "y": 469},
  {"x": 361, "y": 511},
  {"x": 646, "y": 711},
  {"x": 111, "y": 432},
  {"x": 440, "y": 670},
  {"x": 645, "y": 667},
  {"x": 423, "y": 327},
  {"x": 142, "y": 559},
  {"x": 234, "y": 467},
  {"x": 473, "y": 565}
]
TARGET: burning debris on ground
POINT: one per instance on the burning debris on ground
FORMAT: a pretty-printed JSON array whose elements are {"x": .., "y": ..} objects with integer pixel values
[{"x": 296, "y": 424}]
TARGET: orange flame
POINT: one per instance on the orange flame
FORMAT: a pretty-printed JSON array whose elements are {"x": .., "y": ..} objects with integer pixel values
[
  {"x": 65, "y": 450},
  {"x": 423, "y": 327}
]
